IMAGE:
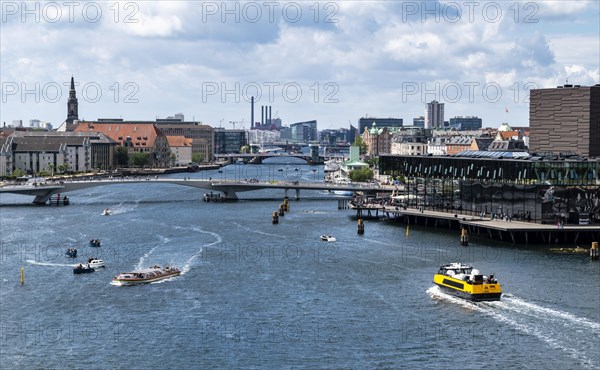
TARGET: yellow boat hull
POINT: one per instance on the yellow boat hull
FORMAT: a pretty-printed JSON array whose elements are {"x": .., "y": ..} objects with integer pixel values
[{"x": 463, "y": 289}]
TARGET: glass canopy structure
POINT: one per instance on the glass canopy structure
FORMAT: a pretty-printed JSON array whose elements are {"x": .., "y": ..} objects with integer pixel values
[{"x": 538, "y": 188}]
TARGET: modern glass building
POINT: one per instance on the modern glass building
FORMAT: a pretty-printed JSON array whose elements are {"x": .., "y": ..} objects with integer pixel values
[
  {"x": 229, "y": 141},
  {"x": 541, "y": 189}
]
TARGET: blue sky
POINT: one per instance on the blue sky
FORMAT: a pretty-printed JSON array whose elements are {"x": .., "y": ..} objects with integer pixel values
[{"x": 330, "y": 61}]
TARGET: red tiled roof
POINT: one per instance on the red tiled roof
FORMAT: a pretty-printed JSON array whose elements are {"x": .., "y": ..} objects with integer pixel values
[
  {"x": 141, "y": 134},
  {"x": 178, "y": 141}
]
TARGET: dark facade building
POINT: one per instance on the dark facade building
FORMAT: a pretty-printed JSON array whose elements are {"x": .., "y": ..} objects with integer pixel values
[
  {"x": 367, "y": 122},
  {"x": 303, "y": 132},
  {"x": 565, "y": 119},
  {"x": 229, "y": 141},
  {"x": 466, "y": 123},
  {"x": 336, "y": 136},
  {"x": 540, "y": 189},
  {"x": 419, "y": 121},
  {"x": 285, "y": 134}
]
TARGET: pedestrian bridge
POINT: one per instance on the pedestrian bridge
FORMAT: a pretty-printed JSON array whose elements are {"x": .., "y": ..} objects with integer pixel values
[{"x": 43, "y": 191}]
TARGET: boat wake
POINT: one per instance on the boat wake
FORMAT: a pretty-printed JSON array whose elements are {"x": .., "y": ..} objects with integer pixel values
[
  {"x": 142, "y": 259},
  {"x": 188, "y": 264},
  {"x": 560, "y": 330},
  {"x": 256, "y": 231},
  {"x": 124, "y": 207},
  {"x": 50, "y": 264}
]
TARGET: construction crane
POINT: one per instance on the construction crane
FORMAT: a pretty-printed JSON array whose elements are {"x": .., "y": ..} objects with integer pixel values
[{"x": 240, "y": 122}]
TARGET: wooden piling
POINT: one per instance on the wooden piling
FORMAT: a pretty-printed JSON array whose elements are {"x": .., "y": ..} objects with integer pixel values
[
  {"x": 464, "y": 237},
  {"x": 361, "y": 226}
]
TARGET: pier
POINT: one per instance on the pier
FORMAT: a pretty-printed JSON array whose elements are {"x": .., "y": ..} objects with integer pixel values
[{"x": 516, "y": 232}]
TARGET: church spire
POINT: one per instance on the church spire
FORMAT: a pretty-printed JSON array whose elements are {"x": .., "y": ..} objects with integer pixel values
[{"x": 72, "y": 104}]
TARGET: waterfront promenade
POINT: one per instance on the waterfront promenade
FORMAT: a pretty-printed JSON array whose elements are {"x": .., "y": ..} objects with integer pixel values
[{"x": 494, "y": 228}]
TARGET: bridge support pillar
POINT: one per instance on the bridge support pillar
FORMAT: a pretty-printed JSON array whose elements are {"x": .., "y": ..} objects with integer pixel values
[
  {"x": 41, "y": 199},
  {"x": 297, "y": 194},
  {"x": 230, "y": 194},
  {"x": 286, "y": 193}
]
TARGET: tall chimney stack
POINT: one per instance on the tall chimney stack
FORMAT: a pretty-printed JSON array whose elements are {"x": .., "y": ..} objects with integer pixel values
[
  {"x": 270, "y": 117},
  {"x": 252, "y": 112},
  {"x": 262, "y": 115}
]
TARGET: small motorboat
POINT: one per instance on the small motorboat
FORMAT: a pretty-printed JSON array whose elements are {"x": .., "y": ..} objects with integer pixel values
[
  {"x": 106, "y": 212},
  {"x": 327, "y": 238},
  {"x": 71, "y": 252},
  {"x": 95, "y": 243},
  {"x": 83, "y": 269},
  {"x": 95, "y": 263}
]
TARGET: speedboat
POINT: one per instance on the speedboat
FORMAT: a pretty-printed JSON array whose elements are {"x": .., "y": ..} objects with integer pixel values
[
  {"x": 466, "y": 282},
  {"x": 95, "y": 263},
  {"x": 327, "y": 238},
  {"x": 149, "y": 275},
  {"x": 95, "y": 243},
  {"x": 106, "y": 212},
  {"x": 83, "y": 269},
  {"x": 71, "y": 252}
]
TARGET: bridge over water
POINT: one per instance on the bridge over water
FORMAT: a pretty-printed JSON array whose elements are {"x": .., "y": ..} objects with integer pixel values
[
  {"x": 258, "y": 158},
  {"x": 43, "y": 191}
]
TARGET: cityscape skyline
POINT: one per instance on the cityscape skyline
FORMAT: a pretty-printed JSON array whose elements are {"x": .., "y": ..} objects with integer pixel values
[{"x": 334, "y": 62}]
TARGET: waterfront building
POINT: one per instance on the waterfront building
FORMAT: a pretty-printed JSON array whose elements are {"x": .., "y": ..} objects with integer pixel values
[
  {"x": 135, "y": 136},
  {"x": 378, "y": 140},
  {"x": 229, "y": 141},
  {"x": 181, "y": 150},
  {"x": 263, "y": 137},
  {"x": 285, "y": 134},
  {"x": 434, "y": 115},
  {"x": 37, "y": 153},
  {"x": 334, "y": 137},
  {"x": 367, "y": 122},
  {"x": 6, "y": 157},
  {"x": 565, "y": 119},
  {"x": 304, "y": 132},
  {"x": 541, "y": 189},
  {"x": 202, "y": 136},
  {"x": 102, "y": 148},
  {"x": 465, "y": 123}
]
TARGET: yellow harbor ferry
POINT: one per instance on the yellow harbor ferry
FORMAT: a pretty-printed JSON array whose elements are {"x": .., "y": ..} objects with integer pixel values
[{"x": 466, "y": 282}]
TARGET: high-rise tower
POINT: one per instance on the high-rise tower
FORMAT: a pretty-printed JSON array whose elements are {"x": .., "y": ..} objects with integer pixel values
[
  {"x": 434, "y": 115},
  {"x": 72, "y": 105}
]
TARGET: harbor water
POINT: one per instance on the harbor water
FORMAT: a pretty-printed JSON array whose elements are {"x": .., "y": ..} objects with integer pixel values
[{"x": 257, "y": 295}]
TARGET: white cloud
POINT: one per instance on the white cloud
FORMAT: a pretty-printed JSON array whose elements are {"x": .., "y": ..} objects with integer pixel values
[{"x": 369, "y": 53}]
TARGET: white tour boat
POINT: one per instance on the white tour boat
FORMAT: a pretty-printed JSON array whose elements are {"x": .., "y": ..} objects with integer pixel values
[{"x": 143, "y": 276}]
